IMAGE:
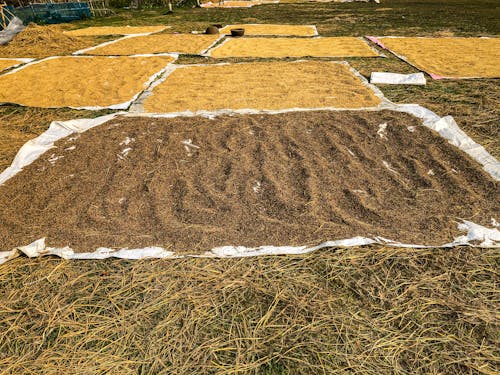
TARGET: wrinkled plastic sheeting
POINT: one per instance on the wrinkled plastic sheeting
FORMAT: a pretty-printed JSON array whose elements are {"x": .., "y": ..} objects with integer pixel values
[
  {"x": 15, "y": 27},
  {"x": 475, "y": 235},
  {"x": 398, "y": 79}
]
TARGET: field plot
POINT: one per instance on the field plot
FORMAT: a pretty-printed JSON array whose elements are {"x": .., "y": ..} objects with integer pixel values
[
  {"x": 293, "y": 47},
  {"x": 9, "y": 63},
  {"x": 43, "y": 41},
  {"x": 159, "y": 43},
  {"x": 299, "y": 178},
  {"x": 449, "y": 57},
  {"x": 270, "y": 85},
  {"x": 230, "y": 4},
  {"x": 73, "y": 81},
  {"x": 115, "y": 30},
  {"x": 270, "y": 29}
]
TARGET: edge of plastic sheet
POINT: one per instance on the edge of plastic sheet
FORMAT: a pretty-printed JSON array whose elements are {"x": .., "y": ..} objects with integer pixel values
[
  {"x": 21, "y": 60},
  {"x": 377, "y": 41},
  {"x": 386, "y": 78},
  {"x": 208, "y": 52},
  {"x": 313, "y": 27},
  {"x": 486, "y": 237},
  {"x": 118, "y": 106}
]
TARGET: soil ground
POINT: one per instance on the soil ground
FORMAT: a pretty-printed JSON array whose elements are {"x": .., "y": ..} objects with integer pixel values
[{"x": 367, "y": 310}]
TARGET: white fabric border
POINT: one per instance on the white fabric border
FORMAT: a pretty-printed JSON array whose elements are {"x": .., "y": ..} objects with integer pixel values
[
  {"x": 21, "y": 60},
  {"x": 487, "y": 238},
  {"x": 397, "y": 79},
  {"x": 118, "y": 106}
]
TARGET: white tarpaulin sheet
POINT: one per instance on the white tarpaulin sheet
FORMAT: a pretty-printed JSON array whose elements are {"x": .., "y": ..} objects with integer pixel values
[{"x": 397, "y": 79}]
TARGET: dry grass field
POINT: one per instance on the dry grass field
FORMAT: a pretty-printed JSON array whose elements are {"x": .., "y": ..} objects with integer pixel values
[{"x": 365, "y": 310}]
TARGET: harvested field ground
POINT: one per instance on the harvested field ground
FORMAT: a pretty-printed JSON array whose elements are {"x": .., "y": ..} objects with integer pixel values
[
  {"x": 364, "y": 310},
  {"x": 80, "y": 81},
  {"x": 291, "y": 179},
  {"x": 271, "y": 85},
  {"x": 158, "y": 43},
  {"x": 450, "y": 57},
  {"x": 9, "y": 63},
  {"x": 293, "y": 47},
  {"x": 263, "y": 29},
  {"x": 44, "y": 41},
  {"x": 115, "y": 30}
]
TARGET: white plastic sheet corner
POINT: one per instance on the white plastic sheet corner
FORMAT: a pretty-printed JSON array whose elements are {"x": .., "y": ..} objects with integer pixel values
[{"x": 398, "y": 79}]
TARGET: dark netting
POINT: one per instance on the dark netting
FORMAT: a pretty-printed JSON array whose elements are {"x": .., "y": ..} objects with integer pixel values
[{"x": 52, "y": 13}]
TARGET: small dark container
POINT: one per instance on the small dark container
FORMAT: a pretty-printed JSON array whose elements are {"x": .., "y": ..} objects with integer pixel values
[
  {"x": 237, "y": 32},
  {"x": 212, "y": 30}
]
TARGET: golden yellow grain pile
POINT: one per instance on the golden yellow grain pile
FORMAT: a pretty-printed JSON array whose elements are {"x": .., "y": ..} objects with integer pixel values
[
  {"x": 450, "y": 57},
  {"x": 115, "y": 30},
  {"x": 263, "y": 29},
  {"x": 230, "y": 4},
  {"x": 294, "y": 47},
  {"x": 44, "y": 41},
  {"x": 269, "y": 85},
  {"x": 158, "y": 43},
  {"x": 8, "y": 63},
  {"x": 80, "y": 81}
]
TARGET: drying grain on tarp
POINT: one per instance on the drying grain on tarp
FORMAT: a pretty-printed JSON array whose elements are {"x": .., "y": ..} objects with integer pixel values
[
  {"x": 270, "y": 85},
  {"x": 115, "y": 30},
  {"x": 450, "y": 57},
  {"x": 268, "y": 29},
  {"x": 300, "y": 178},
  {"x": 159, "y": 43},
  {"x": 230, "y": 4},
  {"x": 76, "y": 81},
  {"x": 44, "y": 41},
  {"x": 9, "y": 63},
  {"x": 294, "y": 47}
]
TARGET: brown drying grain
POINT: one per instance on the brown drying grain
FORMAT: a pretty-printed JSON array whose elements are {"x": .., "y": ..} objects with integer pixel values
[{"x": 191, "y": 184}]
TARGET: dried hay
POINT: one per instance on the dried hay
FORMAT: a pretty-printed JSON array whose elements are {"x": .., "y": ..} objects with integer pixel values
[
  {"x": 44, "y": 41},
  {"x": 270, "y": 85},
  {"x": 269, "y": 29},
  {"x": 450, "y": 57},
  {"x": 157, "y": 43},
  {"x": 9, "y": 63},
  {"x": 115, "y": 30},
  {"x": 80, "y": 81},
  {"x": 293, "y": 47},
  {"x": 370, "y": 310}
]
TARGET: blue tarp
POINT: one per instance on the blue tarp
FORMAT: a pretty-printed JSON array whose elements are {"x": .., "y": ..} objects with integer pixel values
[{"x": 52, "y": 13}]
